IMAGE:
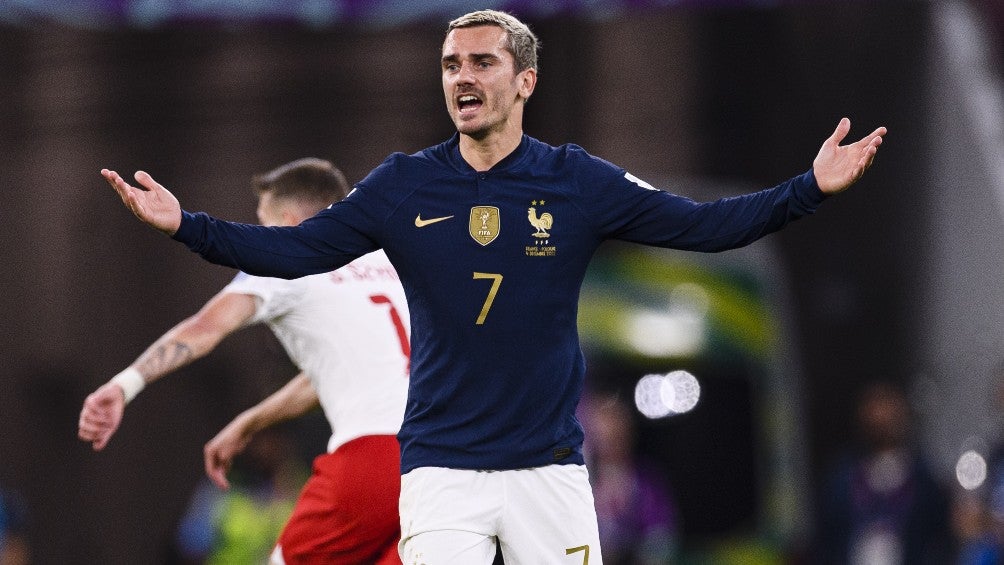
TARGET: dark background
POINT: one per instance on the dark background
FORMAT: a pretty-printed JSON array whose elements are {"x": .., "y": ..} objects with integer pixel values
[{"x": 737, "y": 93}]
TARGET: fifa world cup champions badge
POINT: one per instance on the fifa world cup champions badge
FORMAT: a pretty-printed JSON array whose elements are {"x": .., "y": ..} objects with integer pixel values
[
  {"x": 484, "y": 224},
  {"x": 541, "y": 223}
]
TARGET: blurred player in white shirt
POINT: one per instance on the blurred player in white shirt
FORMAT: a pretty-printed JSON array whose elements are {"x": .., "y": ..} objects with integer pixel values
[{"x": 348, "y": 332}]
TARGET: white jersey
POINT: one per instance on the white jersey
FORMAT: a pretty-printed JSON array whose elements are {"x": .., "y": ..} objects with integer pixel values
[{"x": 348, "y": 330}]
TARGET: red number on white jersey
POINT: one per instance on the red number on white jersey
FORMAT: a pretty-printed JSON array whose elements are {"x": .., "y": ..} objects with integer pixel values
[{"x": 395, "y": 318}]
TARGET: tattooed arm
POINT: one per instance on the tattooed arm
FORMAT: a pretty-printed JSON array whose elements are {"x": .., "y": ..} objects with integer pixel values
[
  {"x": 192, "y": 338},
  {"x": 196, "y": 336}
]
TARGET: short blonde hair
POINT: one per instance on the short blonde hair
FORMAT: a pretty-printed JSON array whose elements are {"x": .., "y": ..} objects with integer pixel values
[{"x": 521, "y": 43}]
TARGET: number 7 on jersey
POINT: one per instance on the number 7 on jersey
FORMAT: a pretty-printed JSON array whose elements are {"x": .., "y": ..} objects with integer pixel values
[{"x": 496, "y": 283}]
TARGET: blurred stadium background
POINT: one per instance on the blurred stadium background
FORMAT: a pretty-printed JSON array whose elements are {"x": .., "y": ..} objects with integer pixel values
[{"x": 898, "y": 279}]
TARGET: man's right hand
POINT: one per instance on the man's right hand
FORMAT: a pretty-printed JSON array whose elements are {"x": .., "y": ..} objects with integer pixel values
[
  {"x": 101, "y": 415},
  {"x": 219, "y": 452},
  {"x": 152, "y": 203}
]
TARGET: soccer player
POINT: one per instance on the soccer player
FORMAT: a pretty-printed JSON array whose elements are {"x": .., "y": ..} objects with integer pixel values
[
  {"x": 491, "y": 232},
  {"x": 347, "y": 330}
]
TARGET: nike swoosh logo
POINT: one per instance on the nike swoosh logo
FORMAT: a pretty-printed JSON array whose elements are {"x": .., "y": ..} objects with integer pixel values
[{"x": 420, "y": 223}]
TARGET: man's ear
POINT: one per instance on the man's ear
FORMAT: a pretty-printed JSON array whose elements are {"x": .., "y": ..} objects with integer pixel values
[
  {"x": 289, "y": 218},
  {"x": 529, "y": 82}
]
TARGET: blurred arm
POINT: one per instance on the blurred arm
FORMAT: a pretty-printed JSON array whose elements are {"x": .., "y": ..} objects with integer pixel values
[
  {"x": 189, "y": 340},
  {"x": 291, "y": 401}
]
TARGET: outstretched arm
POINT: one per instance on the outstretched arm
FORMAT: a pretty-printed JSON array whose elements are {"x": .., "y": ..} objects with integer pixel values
[
  {"x": 150, "y": 202},
  {"x": 268, "y": 251},
  {"x": 836, "y": 166},
  {"x": 291, "y": 401},
  {"x": 189, "y": 340}
]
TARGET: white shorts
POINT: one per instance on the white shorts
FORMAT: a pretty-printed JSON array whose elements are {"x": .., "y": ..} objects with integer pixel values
[{"x": 539, "y": 516}]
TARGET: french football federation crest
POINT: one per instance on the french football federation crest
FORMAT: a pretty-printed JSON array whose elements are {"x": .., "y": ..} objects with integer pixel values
[
  {"x": 485, "y": 224},
  {"x": 543, "y": 222}
]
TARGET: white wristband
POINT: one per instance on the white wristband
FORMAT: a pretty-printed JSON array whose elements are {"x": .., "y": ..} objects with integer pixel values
[{"x": 131, "y": 382}]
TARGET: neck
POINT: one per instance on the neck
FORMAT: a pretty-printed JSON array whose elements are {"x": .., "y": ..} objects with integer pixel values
[{"x": 484, "y": 153}]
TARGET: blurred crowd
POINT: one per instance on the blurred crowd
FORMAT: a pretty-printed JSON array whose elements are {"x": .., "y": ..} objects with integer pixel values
[
  {"x": 635, "y": 510},
  {"x": 240, "y": 525},
  {"x": 878, "y": 502}
]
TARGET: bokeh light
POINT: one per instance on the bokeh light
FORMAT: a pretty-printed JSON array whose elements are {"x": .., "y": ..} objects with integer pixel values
[
  {"x": 678, "y": 329},
  {"x": 658, "y": 396},
  {"x": 648, "y": 397},
  {"x": 660, "y": 333},
  {"x": 971, "y": 470},
  {"x": 681, "y": 391}
]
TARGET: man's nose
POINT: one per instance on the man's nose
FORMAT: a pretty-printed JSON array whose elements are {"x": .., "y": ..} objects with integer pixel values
[{"x": 466, "y": 73}]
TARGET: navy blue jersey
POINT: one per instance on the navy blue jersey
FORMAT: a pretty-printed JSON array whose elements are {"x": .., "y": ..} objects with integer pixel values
[{"x": 492, "y": 263}]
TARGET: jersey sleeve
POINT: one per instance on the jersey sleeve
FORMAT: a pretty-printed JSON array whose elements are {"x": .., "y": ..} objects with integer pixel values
[
  {"x": 332, "y": 238},
  {"x": 627, "y": 208},
  {"x": 275, "y": 296}
]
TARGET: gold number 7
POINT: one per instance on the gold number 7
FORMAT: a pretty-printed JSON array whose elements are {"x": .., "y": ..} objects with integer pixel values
[
  {"x": 585, "y": 553},
  {"x": 496, "y": 283}
]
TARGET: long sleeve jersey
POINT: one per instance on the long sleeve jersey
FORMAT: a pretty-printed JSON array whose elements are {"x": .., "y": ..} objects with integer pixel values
[{"x": 492, "y": 263}]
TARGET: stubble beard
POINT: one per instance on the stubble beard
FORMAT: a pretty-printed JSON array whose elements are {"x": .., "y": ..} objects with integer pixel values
[{"x": 495, "y": 123}]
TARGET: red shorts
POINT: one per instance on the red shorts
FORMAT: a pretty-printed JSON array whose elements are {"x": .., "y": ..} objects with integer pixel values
[{"x": 348, "y": 510}]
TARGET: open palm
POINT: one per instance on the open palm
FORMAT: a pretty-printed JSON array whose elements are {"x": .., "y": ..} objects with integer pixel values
[
  {"x": 836, "y": 166},
  {"x": 151, "y": 202}
]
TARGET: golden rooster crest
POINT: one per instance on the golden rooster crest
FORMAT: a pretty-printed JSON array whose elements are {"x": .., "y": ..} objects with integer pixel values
[{"x": 543, "y": 222}]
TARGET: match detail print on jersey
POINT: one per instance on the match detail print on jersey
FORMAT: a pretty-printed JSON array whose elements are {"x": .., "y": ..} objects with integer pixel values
[{"x": 485, "y": 224}]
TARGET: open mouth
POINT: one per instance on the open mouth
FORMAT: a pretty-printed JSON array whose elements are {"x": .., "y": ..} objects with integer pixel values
[{"x": 468, "y": 103}]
